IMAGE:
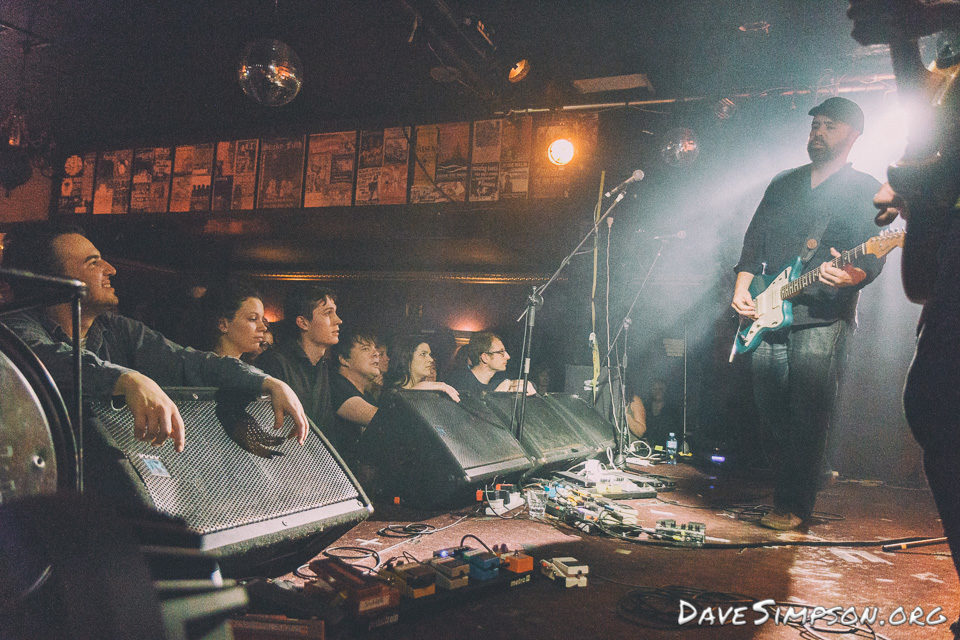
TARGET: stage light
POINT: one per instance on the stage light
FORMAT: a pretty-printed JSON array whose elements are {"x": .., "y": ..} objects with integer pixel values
[
  {"x": 560, "y": 152},
  {"x": 885, "y": 136},
  {"x": 519, "y": 70}
]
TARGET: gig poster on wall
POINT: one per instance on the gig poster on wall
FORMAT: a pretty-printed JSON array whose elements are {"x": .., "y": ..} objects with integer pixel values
[
  {"x": 331, "y": 162},
  {"x": 112, "y": 193},
  {"x": 485, "y": 161},
  {"x": 76, "y": 188},
  {"x": 384, "y": 164},
  {"x": 550, "y": 180},
  {"x": 516, "y": 140},
  {"x": 444, "y": 158},
  {"x": 192, "y": 177},
  {"x": 235, "y": 175},
  {"x": 152, "y": 168},
  {"x": 281, "y": 173}
]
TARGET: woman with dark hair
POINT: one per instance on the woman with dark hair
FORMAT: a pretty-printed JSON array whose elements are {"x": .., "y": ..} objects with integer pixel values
[
  {"x": 234, "y": 322},
  {"x": 412, "y": 367}
]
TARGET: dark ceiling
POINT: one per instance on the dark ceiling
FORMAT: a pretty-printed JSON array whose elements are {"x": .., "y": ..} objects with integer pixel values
[{"x": 112, "y": 71}]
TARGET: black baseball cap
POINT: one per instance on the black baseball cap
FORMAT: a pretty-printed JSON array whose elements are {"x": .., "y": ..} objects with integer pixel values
[{"x": 841, "y": 110}]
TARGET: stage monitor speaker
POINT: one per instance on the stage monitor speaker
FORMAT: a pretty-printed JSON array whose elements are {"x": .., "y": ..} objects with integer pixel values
[
  {"x": 596, "y": 430},
  {"x": 258, "y": 501},
  {"x": 578, "y": 379},
  {"x": 548, "y": 437},
  {"x": 430, "y": 451}
]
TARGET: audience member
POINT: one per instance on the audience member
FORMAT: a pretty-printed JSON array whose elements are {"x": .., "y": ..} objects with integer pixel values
[
  {"x": 114, "y": 344},
  {"x": 484, "y": 357},
  {"x": 412, "y": 366},
  {"x": 310, "y": 327},
  {"x": 356, "y": 359},
  {"x": 652, "y": 417},
  {"x": 234, "y": 325}
]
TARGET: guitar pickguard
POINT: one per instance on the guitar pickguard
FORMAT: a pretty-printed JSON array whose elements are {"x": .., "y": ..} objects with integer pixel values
[{"x": 774, "y": 313}]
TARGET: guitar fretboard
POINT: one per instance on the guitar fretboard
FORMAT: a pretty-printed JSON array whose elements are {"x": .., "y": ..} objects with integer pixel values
[{"x": 794, "y": 287}]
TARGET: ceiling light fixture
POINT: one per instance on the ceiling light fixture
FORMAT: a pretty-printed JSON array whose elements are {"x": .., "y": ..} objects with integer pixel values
[
  {"x": 519, "y": 71},
  {"x": 560, "y": 152}
]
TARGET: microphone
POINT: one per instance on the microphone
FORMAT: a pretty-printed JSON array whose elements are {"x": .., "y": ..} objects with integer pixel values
[
  {"x": 679, "y": 235},
  {"x": 636, "y": 176}
]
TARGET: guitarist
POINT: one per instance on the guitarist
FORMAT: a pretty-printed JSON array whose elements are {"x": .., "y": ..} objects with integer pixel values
[
  {"x": 931, "y": 255},
  {"x": 809, "y": 211}
]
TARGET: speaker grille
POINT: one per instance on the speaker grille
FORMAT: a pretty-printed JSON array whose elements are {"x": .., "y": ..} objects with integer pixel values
[
  {"x": 473, "y": 438},
  {"x": 264, "y": 477}
]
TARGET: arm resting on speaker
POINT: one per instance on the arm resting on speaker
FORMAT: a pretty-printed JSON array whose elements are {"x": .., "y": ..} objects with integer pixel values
[
  {"x": 285, "y": 401},
  {"x": 439, "y": 386},
  {"x": 155, "y": 416},
  {"x": 357, "y": 410},
  {"x": 513, "y": 385}
]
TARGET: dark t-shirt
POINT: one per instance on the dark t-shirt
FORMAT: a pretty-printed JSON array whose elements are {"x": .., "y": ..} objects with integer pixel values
[
  {"x": 311, "y": 382},
  {"x": 462, "y": 379},
  {"x": 786, "y": 217},
  {"x": 344, "y": 434}
]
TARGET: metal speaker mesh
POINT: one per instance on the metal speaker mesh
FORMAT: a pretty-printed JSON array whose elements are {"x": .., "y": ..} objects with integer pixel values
[
  {"x": 472, "y": 436},
  {"x": 236, "y": 468},
  {"x": 595, "y": 429},
  {"x": 548, "y": 436}
]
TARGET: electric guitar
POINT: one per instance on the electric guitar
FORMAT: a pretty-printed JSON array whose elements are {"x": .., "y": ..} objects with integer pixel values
[{"x": 772, "y": 294}]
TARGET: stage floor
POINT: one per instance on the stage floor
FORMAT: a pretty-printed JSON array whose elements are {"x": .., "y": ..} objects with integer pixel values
[{"x": 832, "y": 574}]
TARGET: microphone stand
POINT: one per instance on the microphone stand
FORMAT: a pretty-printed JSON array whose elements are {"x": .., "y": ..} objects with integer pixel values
[
  {"x": 534, "y": 300},
  {"x": 620, "y": 456}
]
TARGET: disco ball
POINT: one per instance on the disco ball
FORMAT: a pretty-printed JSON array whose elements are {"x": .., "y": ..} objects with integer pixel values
[
  {"x": 270, "y": 72},
  {"x": 680, "y": 147}
]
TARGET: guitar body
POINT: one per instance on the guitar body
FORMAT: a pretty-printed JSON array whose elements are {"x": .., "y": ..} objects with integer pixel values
[{"x": 774, "y": 312}]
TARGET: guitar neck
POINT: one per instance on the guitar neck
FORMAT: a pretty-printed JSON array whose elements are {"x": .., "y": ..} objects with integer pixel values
[{"x": 794, "y": 287}]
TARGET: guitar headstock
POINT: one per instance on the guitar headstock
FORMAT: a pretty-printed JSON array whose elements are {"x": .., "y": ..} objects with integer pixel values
[{"x": 884, "y": 243}]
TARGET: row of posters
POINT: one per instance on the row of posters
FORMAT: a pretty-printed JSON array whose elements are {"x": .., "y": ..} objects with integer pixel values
[{"x": 451, "y": 162}]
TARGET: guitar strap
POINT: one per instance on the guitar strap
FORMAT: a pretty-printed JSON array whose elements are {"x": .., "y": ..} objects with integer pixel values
[{"x": 814, "y": 239}]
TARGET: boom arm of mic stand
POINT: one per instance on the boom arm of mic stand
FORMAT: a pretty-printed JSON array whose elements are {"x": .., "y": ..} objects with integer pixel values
[
  {"x": 563, "y": 263},
  {"x": 534, "y": 300}
]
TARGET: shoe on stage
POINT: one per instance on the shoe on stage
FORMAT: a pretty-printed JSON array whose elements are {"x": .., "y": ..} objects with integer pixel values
[{"x": 781, "y": 521}]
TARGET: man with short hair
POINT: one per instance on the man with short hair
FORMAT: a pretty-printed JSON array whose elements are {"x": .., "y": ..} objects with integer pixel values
[
  {"x": 485, "y": 358},
  {"x": 300, "y": 356},
  {"x": 357, "y": 372},
  {"x": 122, "y": 356},
  {"x": 810, "y": 211}
]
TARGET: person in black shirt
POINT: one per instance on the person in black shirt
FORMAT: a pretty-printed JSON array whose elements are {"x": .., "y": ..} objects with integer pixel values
[
  {"x": 121, "y": 356},
  {"x": 930, "y": 263},
  {"x": 796, "y": 371},
  {"x": 358, "y": 371},
  {"x": 412, "y": 367},
  {"x": 484, "y": 358},
  {"x": 309, "y": 328}
]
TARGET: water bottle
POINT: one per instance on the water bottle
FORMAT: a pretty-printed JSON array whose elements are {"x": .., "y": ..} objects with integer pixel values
[{"x": 672, "y": 449}]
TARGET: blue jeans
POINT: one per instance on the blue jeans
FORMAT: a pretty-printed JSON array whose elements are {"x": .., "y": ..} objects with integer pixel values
[{"x": 795, "y": 381}]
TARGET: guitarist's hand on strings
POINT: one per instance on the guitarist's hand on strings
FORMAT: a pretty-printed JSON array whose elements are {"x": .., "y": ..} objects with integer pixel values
[
  {"x": 742, "y": 300},
  {"x": 847, "y": 276}
]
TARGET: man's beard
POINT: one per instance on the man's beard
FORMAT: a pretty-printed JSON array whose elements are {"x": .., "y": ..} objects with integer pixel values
[{"x": 820, "y": 154}]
